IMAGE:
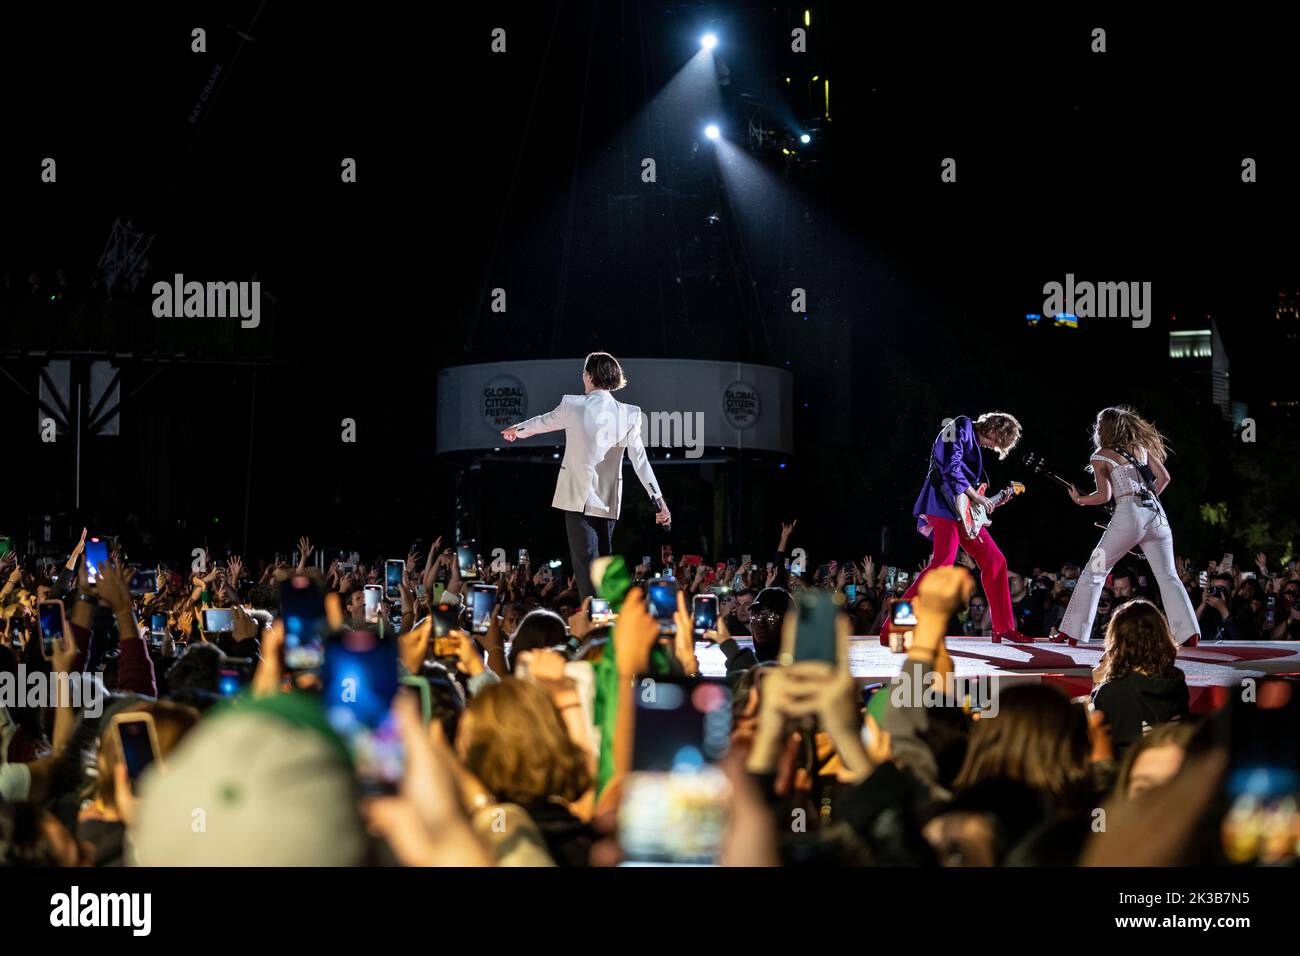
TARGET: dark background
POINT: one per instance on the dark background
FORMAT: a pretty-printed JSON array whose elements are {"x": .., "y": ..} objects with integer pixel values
[{"x": 521, "y": 171}]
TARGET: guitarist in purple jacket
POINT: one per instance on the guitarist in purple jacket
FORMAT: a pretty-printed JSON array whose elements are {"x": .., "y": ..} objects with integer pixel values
[{"x": 956, "y": 467}]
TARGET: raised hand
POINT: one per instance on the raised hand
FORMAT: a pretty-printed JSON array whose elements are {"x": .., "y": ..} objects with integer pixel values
[
  {"x": 634, "y": 635},
  {"x": 304, "y": 551},
  {"x": 684, "y": 637},
  {"x": 235, "y": 567}
]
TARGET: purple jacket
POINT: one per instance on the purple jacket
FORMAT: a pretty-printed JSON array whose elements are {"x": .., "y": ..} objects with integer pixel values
[{"x": 960, "y": 463}]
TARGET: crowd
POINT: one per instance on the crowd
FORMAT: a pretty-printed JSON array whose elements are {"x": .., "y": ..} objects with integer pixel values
[{"x": 532, "y": 739}]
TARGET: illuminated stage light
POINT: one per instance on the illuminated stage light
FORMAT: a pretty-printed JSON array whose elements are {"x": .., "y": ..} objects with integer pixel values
[
  {"x": 805, "y": 138},
  {"x": 709, "y": 41},
  {"x": 712, "y": 131}
]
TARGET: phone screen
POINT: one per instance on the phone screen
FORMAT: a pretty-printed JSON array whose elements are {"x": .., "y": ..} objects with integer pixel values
[
  {"x": 663, "y": 602},
  {"x": 485, "y": 601},
  {"x": 137, "y": 746},
  {"x": 704, "y": 612},
  {"x": 600, "y": 613},
  {"x": 467, "y": 562},
  {"x": 674, "y": 807},
  {"x": 904, "y": 615},
  {"x": 815, "y": 635},
  {"x": 373, "y": 595},
  {"x": 302, "y": 609},
  {"x": 1262, "y": 781},
  {"x": 96, "y": 558},
  {"x": 358, "y": 683},
  {"x": 446, "y": 618},
  {"x": 51, "y": 621},
  {"x": 218, "y": 620},
  {"x": 393, "y": 569}
]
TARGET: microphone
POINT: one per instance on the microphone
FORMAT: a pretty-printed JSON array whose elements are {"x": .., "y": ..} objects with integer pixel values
[{"x": 659, "y": 507}]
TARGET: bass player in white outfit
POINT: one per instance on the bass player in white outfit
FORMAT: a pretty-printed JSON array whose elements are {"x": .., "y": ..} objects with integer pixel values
[
  {"x": 1128, "y": 463},
  {"x": 597, "y": 428}
]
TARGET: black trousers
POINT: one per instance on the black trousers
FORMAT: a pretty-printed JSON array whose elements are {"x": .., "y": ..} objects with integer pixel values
[{"x": 589, "y": 538}]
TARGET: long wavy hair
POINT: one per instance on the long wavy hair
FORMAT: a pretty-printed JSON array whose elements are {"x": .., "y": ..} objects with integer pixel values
[
  {"x": 1138, "y": 640},
  {"x": 1121, "y": 427}
]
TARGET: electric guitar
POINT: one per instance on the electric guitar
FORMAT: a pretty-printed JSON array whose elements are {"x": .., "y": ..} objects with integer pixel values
[
  {"x": 1036, "y": 464},
  {"x": 974, "y": 517}
]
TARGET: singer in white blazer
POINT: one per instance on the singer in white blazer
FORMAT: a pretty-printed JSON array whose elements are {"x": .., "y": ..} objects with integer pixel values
[{"x": 597, "y": 429}]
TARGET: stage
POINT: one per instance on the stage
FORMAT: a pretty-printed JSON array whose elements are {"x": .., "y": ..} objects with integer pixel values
[{"x": 1213, "y": 670}]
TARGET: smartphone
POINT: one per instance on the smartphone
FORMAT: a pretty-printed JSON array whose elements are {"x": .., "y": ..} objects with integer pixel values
[
  {"x": 904, "y": 614},
  {"x": 1271, "y": 614},
  {"x": 813, "y": 633},
  {"x": 302, "y": 610},
  {"x": 692, "y": 560},
  {"x": 446, "y": 618},
  {"x": 484, "y": 602},
  {"x": 1226, "y": 563},
  {"x": 523, "y": 556},
  {"x": 704, "y": 613},
  {"x": 891, "y": 577},
  {"x": 645, "y": 560},
  {"x": 662, "y": 594},
  {"x": 419, "y": 686},
  {"x": 137, "y": 738},
  {"x": 373, "y": 596},
  {"x": 218, "y": 620},
  {"x": 358, "y": 684},
  {"x": 674, "y": 806},
  {"x": 233, "y": 678},
  {"x": 600, "y": 612},
  {"x": 393, "y": 570},
  {"x": 851, "y": 593},
  {"x": 158, "y": 627},
  {"x": 53, "y": 624},
  {"x": 96, "y": 558},
  {"x": 1204, "y": 579},
  {"x": 467, "y": 562}
]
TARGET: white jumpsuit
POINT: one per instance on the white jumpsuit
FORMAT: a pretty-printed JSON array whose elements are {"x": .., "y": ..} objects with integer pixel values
[{"x": 1139, "y": 520}]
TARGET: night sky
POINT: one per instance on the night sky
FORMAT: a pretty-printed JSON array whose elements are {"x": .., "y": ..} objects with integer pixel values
[{"x": 478, "y": 170}]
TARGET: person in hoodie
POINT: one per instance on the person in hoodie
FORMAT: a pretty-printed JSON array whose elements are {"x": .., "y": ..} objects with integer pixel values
[{"x": 1138, "y": 686}]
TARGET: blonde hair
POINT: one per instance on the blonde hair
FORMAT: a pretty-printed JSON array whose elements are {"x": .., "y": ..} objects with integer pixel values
[
  {"x": 1001, "y": 428},
  {"x": 1121, "y": 427},
  {"x": 514, "y": 741}
]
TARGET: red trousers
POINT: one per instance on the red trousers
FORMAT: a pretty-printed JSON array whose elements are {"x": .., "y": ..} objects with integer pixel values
[{"x": 993, "y": 568}]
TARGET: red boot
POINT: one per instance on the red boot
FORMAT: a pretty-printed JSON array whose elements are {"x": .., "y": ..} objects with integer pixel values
[
  {"x": 1063, "y": 638},
  {"x": 1012, "y": 636}
]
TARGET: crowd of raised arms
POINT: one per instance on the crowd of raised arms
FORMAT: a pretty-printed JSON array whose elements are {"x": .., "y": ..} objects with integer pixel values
[{"x": 533, "y": 732}]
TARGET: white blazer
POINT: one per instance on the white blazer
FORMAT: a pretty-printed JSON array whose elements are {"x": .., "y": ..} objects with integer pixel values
[{"x": 597, "y": 427}]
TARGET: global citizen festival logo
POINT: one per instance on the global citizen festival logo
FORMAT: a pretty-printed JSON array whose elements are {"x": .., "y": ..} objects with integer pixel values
[
  {"x": 505, "y": 402},
  {"x": 740, "y": 405}
]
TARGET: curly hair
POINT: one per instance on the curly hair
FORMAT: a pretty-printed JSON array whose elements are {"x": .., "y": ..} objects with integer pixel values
[
  {"x": 1138, "y": 640},
  {"x": 1001, "y": 428}
]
